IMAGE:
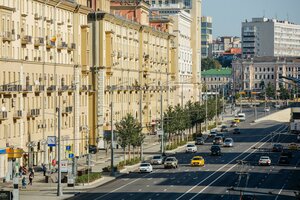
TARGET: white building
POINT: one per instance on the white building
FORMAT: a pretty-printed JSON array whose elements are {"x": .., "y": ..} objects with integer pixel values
[
  {"x": 206, "y": 35},
  {"x": 182, "y": 30},
  {"x": 249, "y": 73},
  {"x": 270, "y": 37},
  {"x": 172, "y": 7}
]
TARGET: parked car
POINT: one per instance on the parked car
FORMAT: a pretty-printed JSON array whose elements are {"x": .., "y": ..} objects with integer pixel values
[
  {"x": 228, "y": 142},
  {"x": 283, "y": 160},
  {"x": 224, "y": 128},
  {"x": 197, "y": 161},
  {"x": 171, "y": 162},
  {"x": 93, "y": 149},
  {"x": 277, "y": 106},
  {"x": 146, "y": 167},
  {"x": 199, "y": 140},
  {"x": 215, "y": 150},
  {"x": 267, "y": 109},
  {"x": 218, "y": 140},
  {"x": 293, "y": 146},
  {"x": 157, "y": 160},
  {"x": 277, "y": 148},
  {"x": 236, "y": 131},
  {"x": 191, "y": 148},
  {"x": 248, "y": 196},
  {"x": 237, "y": 120},
  {"x": 298, "y": 137},
  {"x": 213, "y": 132},
  {"x": 264, "y": 160}
]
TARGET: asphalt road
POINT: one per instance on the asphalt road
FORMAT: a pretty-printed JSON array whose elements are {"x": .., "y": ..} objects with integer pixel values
[{"x": 222, "y": 177}]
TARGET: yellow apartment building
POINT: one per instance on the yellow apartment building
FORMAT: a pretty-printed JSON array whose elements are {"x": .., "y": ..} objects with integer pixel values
[
  {"x": 133, "y": 66},
  {"x": 44, "y": 65}
]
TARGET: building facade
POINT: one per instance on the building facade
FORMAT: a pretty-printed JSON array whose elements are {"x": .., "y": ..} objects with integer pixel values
[
  {"x": 206, "y": 35},
  {"x": 214, "y": 80},
  {"x": 223, "y": 44},
  {"x": 249, "y": 73},
  {"x": 194, "y": 8},
  {"x": 133, "y": 68},
  {"x": 43, "y": 66},
  {"x": 270, "y": 37}
]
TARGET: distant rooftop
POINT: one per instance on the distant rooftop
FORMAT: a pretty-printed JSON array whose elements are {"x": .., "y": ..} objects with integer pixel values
[
  {"x": 264, "y": 19},
  {"x": 217, "y": 72}
]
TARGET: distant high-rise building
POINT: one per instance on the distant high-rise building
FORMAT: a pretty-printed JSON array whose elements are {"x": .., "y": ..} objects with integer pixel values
[
  {"x": 206, "y": 35},
  {"x": 270, "y": 37}
]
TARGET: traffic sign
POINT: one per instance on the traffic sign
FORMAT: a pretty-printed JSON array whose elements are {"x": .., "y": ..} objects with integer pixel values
[
  {"x": 68, "y": 148},
  {"x": 71, "y": 155},
  {"x": 160, "y": 132},
  {"x": 51, "y": 141}
]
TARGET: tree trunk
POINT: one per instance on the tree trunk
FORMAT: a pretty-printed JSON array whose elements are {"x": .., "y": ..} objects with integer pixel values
[
  {"x": 129, "y": 152},
  {"x": 124, "y": 149}
]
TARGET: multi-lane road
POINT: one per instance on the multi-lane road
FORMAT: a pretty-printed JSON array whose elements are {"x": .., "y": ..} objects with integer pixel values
[{"x": 222, "y": 177}]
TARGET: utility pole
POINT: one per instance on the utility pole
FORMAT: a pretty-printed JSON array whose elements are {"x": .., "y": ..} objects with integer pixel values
[
  {"x": 206, "y": 128},
  {"x": 181, "y": 94},
  {"x": 162, "y": 121},
  {"x": 223, "y": 102},
  {"x": 112, "y": 134},
  {"x": 59, "y": 188},
  {"x": 216, "y": 107}
]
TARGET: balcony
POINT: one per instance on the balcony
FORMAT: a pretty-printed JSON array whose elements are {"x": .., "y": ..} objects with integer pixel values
[
  {"x": 32, "y": 113},
  {"x": 8, "y": 36},
  {"x": 26, "y": 39},
  {"x": 67, "y": 110},
  {"x": 28, "y": 88},
  {"x": 39, "y": 88},
  {"x": 18, "y": 114},
  {"x": 71, "y": 47},
  {"x": 38, "y": 41},
  {"x": 10, "y": 88},
  {"x": 62, "y": 45},
  {"x": 37, "y": 16},
  {"x": 3, "y": 115},
  {"x": 51, "y": 88},
  {"x": 63, "y": 88},
  {"x": 119, "y": 54},
  {"x": 83, "y": 88}
]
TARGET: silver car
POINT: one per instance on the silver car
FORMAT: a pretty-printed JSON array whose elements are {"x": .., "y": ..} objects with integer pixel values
[
  {"x": 157, "y": 160},
  {"x": 228, "y": 142}
]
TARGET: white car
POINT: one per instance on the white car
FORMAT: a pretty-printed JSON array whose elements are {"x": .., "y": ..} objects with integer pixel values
[
  {"x": 267, "y": 109},
  {"x": 213, "y": 132},
  {"x": 146, "y": 167},
  {"x": 264, "y": 160},
  {"x": 191, "y": 148},
  {"x": 228, "y": 142}
]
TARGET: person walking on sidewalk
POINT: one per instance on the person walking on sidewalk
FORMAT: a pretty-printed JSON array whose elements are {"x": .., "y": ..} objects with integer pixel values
[
  {"x": 44, "y": 169},
  {"x": 31, "y": 176},
  {"x": 24, "y": 182}
]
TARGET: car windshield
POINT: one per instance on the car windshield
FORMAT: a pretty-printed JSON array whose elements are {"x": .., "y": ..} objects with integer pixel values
[
  {"x": 228, "y": 140},
  {"x": 190, "y": 145},
  {"x": 145, "y": 164},
  {"x": 156, "y": 157},
  {"x": 220, "y": 135},
  {"x": 264, "y": 157},
  {"x": 215, "y": 147},
  {"x": 236, "y": 129},
  {"x": 170, "y": 159},
  {"x": 198, "y": 158}
]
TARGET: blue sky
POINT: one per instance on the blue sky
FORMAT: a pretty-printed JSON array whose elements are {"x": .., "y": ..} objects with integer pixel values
[{"x": 229, "y": 14}]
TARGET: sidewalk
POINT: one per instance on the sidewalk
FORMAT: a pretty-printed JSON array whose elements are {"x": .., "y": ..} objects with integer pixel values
[{"x": 40, "y": 189}]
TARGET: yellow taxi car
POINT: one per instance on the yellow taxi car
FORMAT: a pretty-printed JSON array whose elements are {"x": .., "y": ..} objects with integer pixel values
[
  {"x": 293, "y": 146},
  {"x": 197, "y": 161},
  {"x": 237, "y": 120}
]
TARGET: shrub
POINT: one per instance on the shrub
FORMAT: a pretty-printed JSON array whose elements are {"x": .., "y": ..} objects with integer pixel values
[{"x": 88, "y": 177}]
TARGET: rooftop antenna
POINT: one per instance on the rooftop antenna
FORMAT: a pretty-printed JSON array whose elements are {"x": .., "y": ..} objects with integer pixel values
[
  {"x": 287, "y": 16},
  {"x": 264, "y": 13}
]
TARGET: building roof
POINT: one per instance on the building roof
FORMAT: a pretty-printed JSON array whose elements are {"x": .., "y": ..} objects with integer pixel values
[{"x": 217, "y": 72}]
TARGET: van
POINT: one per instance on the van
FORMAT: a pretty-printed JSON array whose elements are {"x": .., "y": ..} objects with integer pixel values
[{"x": 241, "y": 116}]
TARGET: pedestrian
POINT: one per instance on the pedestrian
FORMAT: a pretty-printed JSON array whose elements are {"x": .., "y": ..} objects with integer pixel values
[
  {"x": 31, "y": 176},
  {"x": 20, "y": 171},
  {"x": 24, "y": 182},
  {"x": 44, "y": 169}
]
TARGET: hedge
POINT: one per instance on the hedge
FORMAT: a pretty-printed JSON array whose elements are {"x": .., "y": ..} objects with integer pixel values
[{"x": 88, "y": 177}]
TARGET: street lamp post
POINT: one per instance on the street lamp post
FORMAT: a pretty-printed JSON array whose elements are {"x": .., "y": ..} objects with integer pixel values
[
  {"x": 206, "y": 128},
  {"x": 112, "y": 135},
  {"x": 162, "y": 121},
  {"x": 59, "y": 188}
]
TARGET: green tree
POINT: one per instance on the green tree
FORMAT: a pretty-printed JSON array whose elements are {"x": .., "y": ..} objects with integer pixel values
[
  {"x": 129, "y": 132},
  {"x": 210, "y": 63},
  {"x": 270, "y": 90},
  {"x": 284, "y": 93}
]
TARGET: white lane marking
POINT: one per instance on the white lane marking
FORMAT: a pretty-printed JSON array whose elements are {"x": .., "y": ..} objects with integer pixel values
[
  {"x": 280, "y": 192},
  {"x": 224, "y": 167},
  {"x": 140, "y": 190},
  {"x": 165, "y": 190},
  {"x": 149, "y": 179}
]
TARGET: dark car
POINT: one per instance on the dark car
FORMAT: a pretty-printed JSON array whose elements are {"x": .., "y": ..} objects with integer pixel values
[
  {"x": 248, "y": 196},
  {"x": 218, "y": 140},
  {"x": 93, "y": 149},
  {"x": 236, "y": 131},
  {"x": 215, "y": 150},
  {"x": 199, "y": 140},
  {"x": 277, "y": 148},
  {"x": 283, "y": 160},
  {"x": 286, "y": 152},
  {"x": 221, "y": 135},
  {"x": 224, "y": 128}
]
